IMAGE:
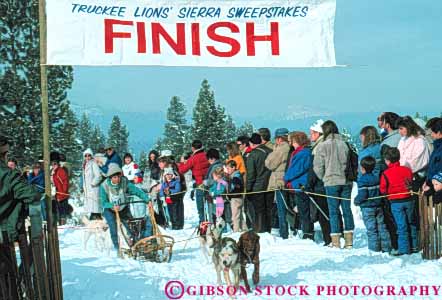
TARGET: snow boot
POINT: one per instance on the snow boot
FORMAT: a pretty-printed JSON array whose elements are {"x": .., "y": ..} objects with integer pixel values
[
  {"x": 336, "y": 240},
  {"x": 348, "y": 237}
]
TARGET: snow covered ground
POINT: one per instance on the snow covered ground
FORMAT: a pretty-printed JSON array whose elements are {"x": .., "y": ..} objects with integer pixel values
[{"x": 95, "y": 275}]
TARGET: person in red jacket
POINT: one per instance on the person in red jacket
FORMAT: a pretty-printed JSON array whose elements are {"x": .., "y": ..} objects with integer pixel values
[
  {"x": 60, "y": 180},
  {"x": 396, "y": 183},
  {"x": 198, "y": 164}
]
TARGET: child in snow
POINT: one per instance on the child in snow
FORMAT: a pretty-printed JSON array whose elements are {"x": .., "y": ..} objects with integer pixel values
[
  {"x": 372, "y": 213},
  {"x": 395, "y": 182},
  {"x": 236, "y": 187},
  {"x": 131, "y": 170},
  {"x": 171, "y": 186},
  {"x": 218, "y": 188}
]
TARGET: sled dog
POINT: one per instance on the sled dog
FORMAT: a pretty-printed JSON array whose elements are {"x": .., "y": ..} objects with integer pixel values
[
  {"x": 209, "y": 234},
  {"x": 98, "y": 229}
]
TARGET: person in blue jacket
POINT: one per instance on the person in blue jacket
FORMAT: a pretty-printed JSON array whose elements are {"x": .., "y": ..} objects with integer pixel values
[
  {"x": 37, "y": 178},
  {"x": 296, "y": 177},
  {"x": 111, "y": 157},
  {"x": 371, "y": 146},
  {"x": 170, "y": 188},
  {"x": 435, "y": 164},
  {"x": 372, "y": 212}
]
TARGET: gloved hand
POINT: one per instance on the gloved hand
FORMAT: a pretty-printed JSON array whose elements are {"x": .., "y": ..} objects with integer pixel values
[{"x": 192, "y": 195}]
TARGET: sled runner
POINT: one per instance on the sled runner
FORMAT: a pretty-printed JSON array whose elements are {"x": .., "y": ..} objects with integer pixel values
[{"x": 156, "y": 248}]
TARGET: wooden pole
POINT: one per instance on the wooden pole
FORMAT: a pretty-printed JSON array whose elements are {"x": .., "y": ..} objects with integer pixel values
[
  {"x": 53, "y": 245},
  {"x": 44, "y": 110}
]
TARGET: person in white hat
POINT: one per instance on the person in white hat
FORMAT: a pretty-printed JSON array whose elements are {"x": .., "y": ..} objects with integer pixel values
[
  {"x": 89, "y": 183},
  {"x": 317, "y": 186},
  {"x": 316, "y": 133},
  {"x": 114, "y": 194}
]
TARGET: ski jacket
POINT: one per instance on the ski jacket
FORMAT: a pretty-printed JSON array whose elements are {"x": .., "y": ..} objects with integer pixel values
[
  {"x": 276, "y": 162},
  {"x": 257, "y": 173},
  {"x": 415, "y": 153},
  {"x": 297, "y": 171},
  {"x": 240, "y": 164},
  {"x": 61, "y": 183},
  {"x": 114, "y": 158},
  {"x": 198, "y": 164},
  {"x": 392, "y": 139},
  {"x": 116, "y": 194},
  {"x": 15, "y": 194},
  {"x": 374, "y": 151},
  {"x": 235, "y": 185},
  {"x": 330, "y": 160},
  {"x": 396, "y": 179},
  {"x": 131, "y": 171},
  {"x": 368, "y": 187},
  {"x": 37, "y": 180},
  {"x": 435, "y": 165}
]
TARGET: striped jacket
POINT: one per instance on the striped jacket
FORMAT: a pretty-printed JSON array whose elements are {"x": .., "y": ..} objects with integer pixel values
[{"x": 368, "y": 187}]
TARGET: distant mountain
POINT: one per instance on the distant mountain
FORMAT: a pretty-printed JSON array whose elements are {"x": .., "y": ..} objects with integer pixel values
[{"x": 144, "y": 127}]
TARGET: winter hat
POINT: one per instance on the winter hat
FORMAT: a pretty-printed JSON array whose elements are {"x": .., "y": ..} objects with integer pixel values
[
  {"x": 88, "y": 151},
  {"x": 165, "y": 153},
  {"x": 256, "y": 139},
  {"x": 438, "y": 177},
  {"x": 169, "y": 171},
  {"x": 317, "y": 126},
  {"x": 54, "y": 156},
  {"x": 281, "y": 132},
  {"x": 113, "y": 169}
]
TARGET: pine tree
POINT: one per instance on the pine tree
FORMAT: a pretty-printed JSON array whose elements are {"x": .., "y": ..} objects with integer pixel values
[
  {"x": 143, "y": 160},
  {"x": 20, "y": 80},
  {"x": 206, "y": 124},
  {"x": 85, "y": 131},
  {"x": 176, "y": 128},
  {"x": 230, "y": 130},
  {"x": 98, "y": 139},
  {"x": 245, "y": 129},
  {"x": 67, "y": 140},
  {"x": 158, "y": 146},
  {"x": 118, "y": 136}
]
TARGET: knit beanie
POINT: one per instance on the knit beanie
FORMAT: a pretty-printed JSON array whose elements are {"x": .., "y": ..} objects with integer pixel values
[{"x": 438, "y": 177}]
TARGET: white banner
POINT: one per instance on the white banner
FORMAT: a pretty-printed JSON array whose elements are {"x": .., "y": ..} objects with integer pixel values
[{"x": 257, "y": 33}]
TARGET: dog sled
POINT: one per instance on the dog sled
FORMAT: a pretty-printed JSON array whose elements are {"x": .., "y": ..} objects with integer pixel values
[{"x": 156, "y": 248}]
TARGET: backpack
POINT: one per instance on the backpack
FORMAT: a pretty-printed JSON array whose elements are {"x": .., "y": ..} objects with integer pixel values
[{"x": 351, "y": 169}]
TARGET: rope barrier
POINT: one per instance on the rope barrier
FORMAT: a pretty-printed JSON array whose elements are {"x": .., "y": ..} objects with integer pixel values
[{"x": 285, "y": 189}]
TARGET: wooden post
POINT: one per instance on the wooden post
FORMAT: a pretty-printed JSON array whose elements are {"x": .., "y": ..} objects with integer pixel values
[
  {"x": 44, "y": 110},
  {"x": 52, "y": 252}
]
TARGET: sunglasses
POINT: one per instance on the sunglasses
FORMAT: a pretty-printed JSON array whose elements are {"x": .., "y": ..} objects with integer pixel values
[{"x": 88, "y": 155}]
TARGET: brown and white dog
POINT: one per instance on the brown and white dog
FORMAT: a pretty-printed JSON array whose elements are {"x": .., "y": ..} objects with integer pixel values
[
  {"x": 226, "y": 258},
  {"x": 209, "y": 234},
  {"x": 98, "y": 229},
  {"x": 249, "y": 247}
]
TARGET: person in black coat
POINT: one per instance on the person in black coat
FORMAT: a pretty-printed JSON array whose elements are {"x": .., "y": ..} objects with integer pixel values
[
  {"x": 258, "y": 180},
  {"x": 152, "y": 165}
]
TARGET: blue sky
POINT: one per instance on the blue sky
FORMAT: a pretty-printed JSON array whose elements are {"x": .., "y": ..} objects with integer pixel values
[{"x": 393, "y": 50}]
